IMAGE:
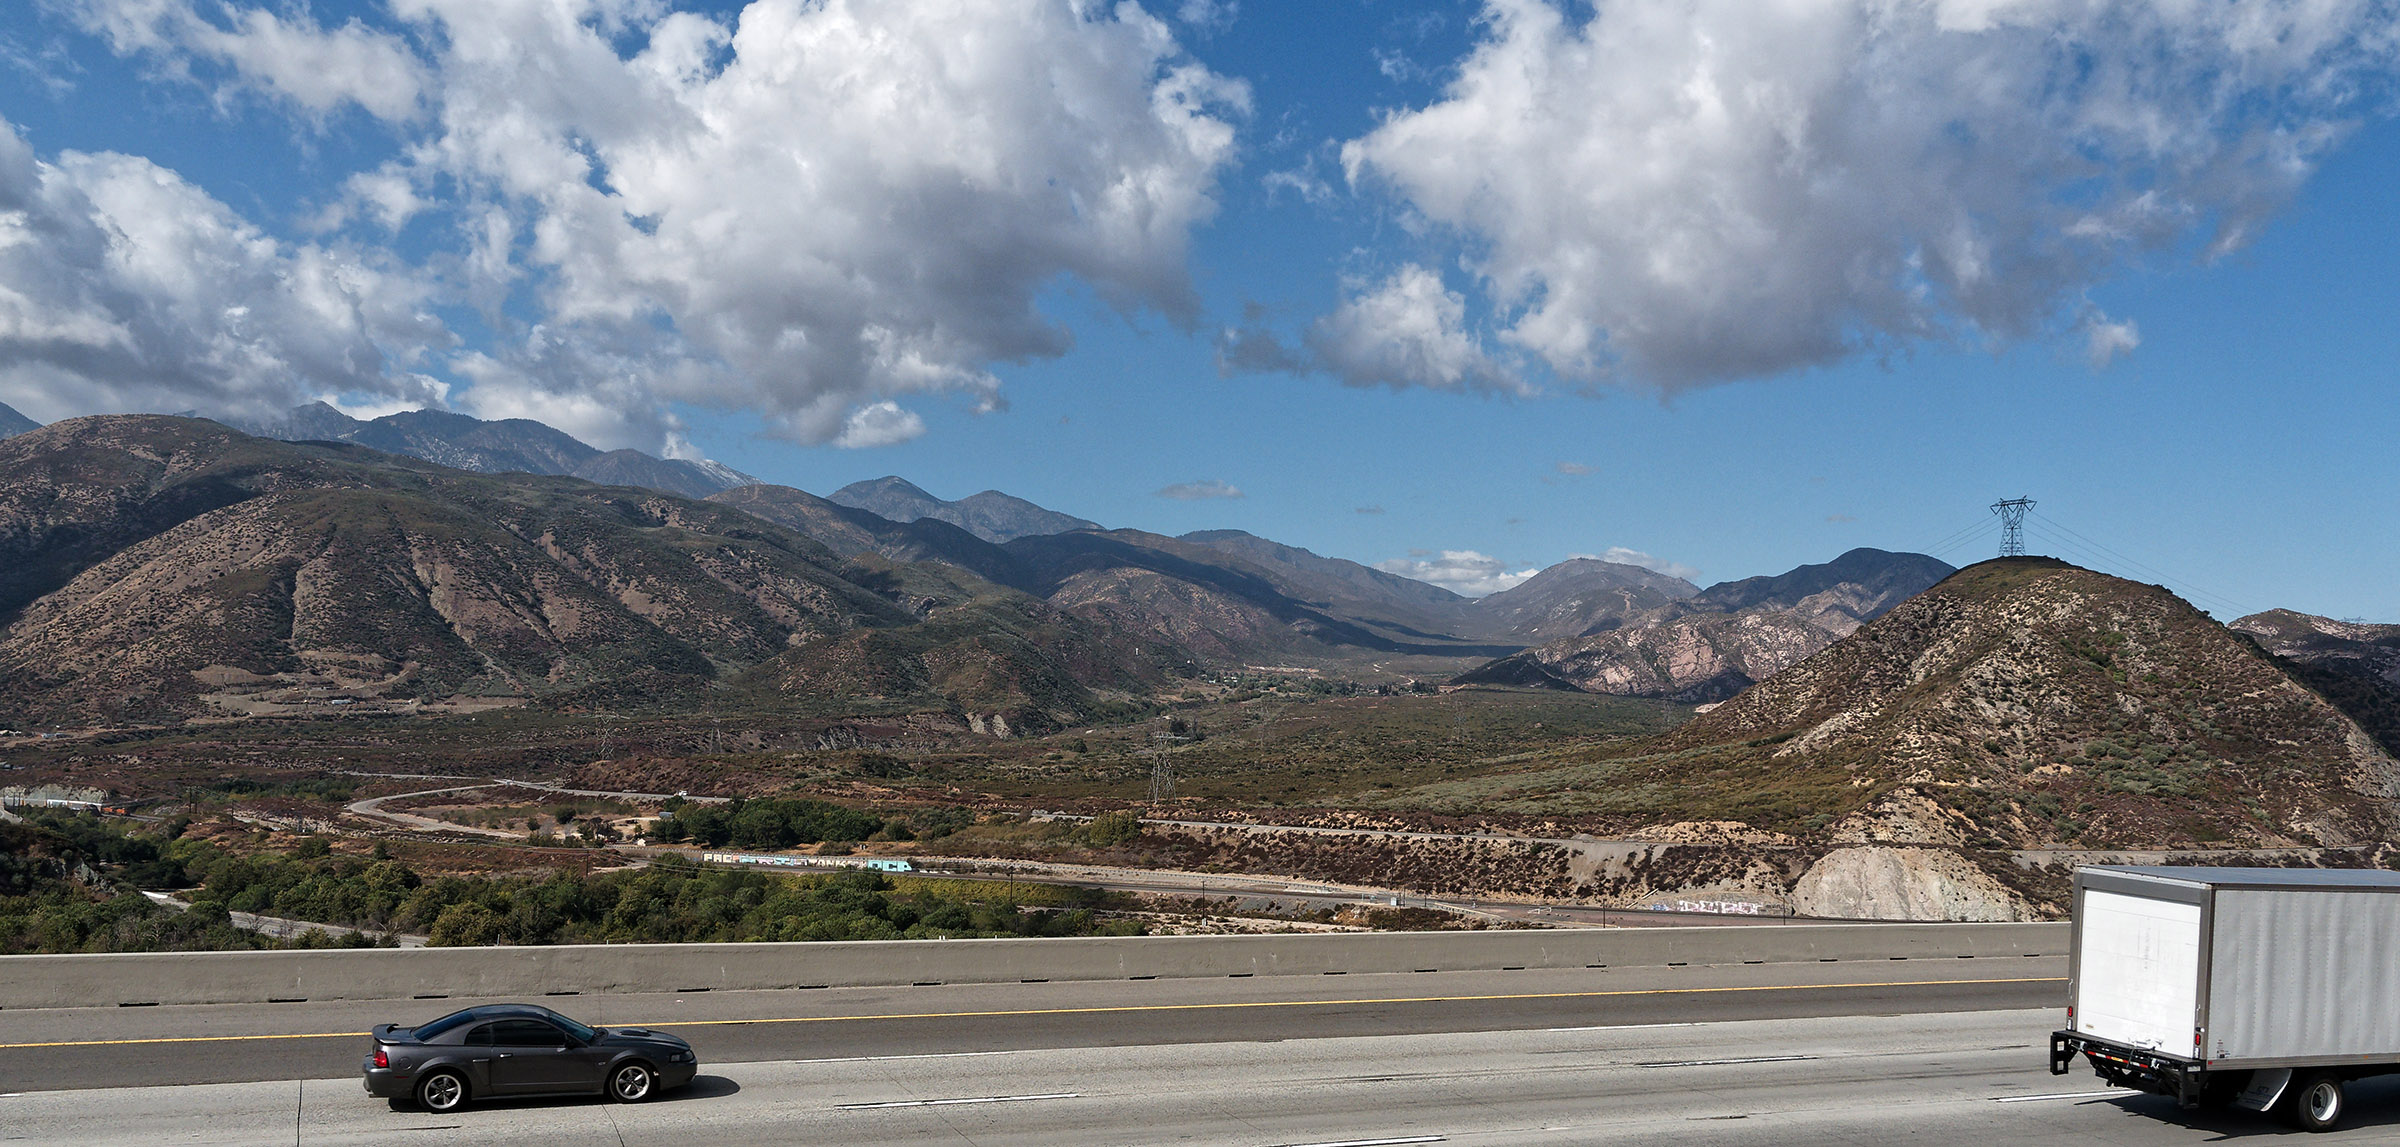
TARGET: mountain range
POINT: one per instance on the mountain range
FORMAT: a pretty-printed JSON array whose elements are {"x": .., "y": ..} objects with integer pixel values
[
  {"x": 457, "y": 569},
  {"x": 1707, "y": 645},
  {"x": 13, "y": 423},
  {"x": 509, "y": 445},
  {"x": 159, "y": 568}
]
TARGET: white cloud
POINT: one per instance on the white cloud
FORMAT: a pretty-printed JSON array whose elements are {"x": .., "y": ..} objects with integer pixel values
[
  {"x": 1208, "y": 15},
  {"x": 1678, "y": 192},
  {"x": 879, "y": 424},
  {"x": 123, "y": 287},
  {"x": 806, "y": 210},
  {"x": 2105, "y": 341},
  {"x": 1630, "y": 557},
  {"x": 1577, "y": 469},
  {"x": 1202, "y": 489},
  {"x": 317, "y": 68},
  {"x": 1463, "y": 572},
  {"x": 1408, "y": 330}
]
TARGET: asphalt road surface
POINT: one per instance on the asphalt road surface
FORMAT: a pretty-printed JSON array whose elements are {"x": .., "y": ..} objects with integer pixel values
[{"x": 1901, "y": 1052}]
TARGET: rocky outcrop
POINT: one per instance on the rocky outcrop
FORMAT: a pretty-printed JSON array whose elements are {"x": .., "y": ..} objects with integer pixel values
[{"x": 1880, "y": 882}]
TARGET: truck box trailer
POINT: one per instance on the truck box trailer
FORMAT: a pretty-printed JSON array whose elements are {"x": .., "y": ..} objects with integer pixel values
[{"x": 2268, "y": 988}]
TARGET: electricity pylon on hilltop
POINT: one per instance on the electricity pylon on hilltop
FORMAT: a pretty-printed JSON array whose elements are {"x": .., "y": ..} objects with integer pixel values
[{"x": 2012, "y": 525}]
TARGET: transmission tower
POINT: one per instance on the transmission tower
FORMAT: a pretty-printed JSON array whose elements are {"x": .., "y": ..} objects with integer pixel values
[
  {"x": 1162, "y": 779},
  {"x": 2012, "y": 525}
]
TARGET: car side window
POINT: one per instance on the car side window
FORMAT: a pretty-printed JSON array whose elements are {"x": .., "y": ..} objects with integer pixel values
[
  {"x": 526, "y": 1033},
  {"x": 481, "y": 1037}
]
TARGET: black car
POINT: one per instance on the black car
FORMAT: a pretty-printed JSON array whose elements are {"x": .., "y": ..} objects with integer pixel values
[{"x": 519, "y": 1049}]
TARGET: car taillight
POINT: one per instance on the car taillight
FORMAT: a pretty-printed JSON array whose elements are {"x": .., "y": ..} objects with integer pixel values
[{"x": 382, "y": 1060}]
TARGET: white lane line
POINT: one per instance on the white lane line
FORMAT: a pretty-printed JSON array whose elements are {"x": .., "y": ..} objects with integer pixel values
[
  {"x": 2065, "y": 1095},
  {"x": 923, "y": 1055},
  {"x": 1373, "y": 1142},
  {"x": 1727, "y": 1062},
  {"x": 954, "y": 1102},
  {"x": 1628, "y": 1027}
]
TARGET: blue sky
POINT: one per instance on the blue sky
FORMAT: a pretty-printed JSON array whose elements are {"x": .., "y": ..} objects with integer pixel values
[{"x": 1729, "y": 290}]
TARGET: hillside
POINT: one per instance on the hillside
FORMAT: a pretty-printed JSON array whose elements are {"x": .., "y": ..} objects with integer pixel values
[
  {"x": 1576, "y": 597},
  {"x": 2355, "y": 665},
  {"x": 2036, "y": 703}
]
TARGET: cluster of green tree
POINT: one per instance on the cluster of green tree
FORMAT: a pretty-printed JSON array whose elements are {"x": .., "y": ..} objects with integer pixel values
[
  {"x": 672, "y": 902},
  {"x": 769, "y": 824},
  {"x": 315, "y": 788},
  {"x": 66, "y": 885}
]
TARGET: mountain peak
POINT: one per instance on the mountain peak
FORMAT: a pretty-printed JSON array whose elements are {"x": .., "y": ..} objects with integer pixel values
[
  {"x": 991, "y": 515},
  {"x": 13, "y": 423}
]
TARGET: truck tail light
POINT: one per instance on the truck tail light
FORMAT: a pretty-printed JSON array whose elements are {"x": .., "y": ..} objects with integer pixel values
[{"x": 382, "y": 1060}]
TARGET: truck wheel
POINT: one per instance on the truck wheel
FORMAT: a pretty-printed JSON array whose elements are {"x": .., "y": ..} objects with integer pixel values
[{"x": 2317, "y": 1104}]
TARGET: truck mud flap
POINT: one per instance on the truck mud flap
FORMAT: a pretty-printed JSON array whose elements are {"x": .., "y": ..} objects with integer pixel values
[{"x": 2266, "y": 1087}]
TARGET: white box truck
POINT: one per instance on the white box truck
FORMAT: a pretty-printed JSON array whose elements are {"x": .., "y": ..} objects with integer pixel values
[{"x": 2268, "y": 988}]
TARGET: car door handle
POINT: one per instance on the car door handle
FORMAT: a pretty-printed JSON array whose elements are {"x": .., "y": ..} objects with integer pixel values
[{"x": 505, "y": 1055}]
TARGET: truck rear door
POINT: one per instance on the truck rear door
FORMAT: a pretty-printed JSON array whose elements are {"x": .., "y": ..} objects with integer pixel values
[{"x": 2137, "y": 971}]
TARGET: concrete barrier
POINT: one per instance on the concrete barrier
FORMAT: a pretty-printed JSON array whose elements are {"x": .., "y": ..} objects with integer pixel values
[{"x": 104, "y": 980}]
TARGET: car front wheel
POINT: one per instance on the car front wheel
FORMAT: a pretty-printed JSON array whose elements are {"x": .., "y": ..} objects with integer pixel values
[
  {"x": 442, "y": 1091},
  {"x": 631, "y": 1083}
]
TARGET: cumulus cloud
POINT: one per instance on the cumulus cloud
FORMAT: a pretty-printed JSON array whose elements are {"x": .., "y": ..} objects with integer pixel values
[
  {"x": 1201, "y": 490},
  {"x": 124, "y": 287},
  {"x": 2105, "y": 342},
  {"x": 1630, "y": 557},
  {"x": 1463, "y": 572},
  {"x": 1408, "y": 330},
  {"x": 879, "y": 424},
  {"x": 288, "y": 56},
  {"x": 1679, "y": 192},
  {"x": 808, "y": 210}
]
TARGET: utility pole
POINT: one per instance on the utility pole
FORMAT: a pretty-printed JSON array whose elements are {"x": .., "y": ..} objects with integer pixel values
[{"x": 2012, "y": 525}]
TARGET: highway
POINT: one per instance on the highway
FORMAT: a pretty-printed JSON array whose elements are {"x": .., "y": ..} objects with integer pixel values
[{"x": 1856, "y": 1053}]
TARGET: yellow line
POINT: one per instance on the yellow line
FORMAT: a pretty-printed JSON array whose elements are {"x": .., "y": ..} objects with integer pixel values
[{"x": 1121, "y": 1008}]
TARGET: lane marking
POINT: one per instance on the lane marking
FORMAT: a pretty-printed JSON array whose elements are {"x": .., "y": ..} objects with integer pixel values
[
  {"x": 2068, "y": 1095},
  {"x": 1636, "y": 1027},
  {"x": 922, "y": 1055},
  {"x": 954, "y": 1102},
  {"x": 1374, "y": 1142},
  {"x": 1121, "y": 1008},
  {"x": 1726, "y": 1062}
]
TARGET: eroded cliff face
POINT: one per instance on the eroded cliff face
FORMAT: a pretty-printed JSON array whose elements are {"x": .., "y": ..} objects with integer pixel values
[{"x": 1880, "y": 882}]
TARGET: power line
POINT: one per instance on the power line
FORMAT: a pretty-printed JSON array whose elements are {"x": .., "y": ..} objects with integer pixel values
[
  {"x": 1967, "y": 537},
  {"x": 2152, "y": 570},
  {"x": 1959, "y": 537},
  {"x": 2093, "y": 553}
]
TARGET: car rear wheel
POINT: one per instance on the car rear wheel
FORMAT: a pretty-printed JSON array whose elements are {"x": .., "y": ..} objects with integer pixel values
[
  {"x": 442, "y": 1091},
  {"x": 2318, "y": 1104},
  {"x": 631, "y": 1083}
]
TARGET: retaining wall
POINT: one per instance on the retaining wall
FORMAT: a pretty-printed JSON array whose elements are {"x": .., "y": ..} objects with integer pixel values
[{"x": 390, "y": 973}]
